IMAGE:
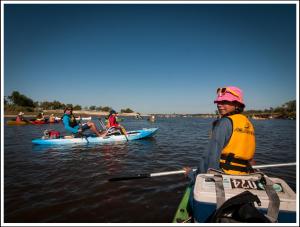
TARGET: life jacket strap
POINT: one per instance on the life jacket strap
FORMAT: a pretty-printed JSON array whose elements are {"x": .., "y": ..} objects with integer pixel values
[{"x": 229, "y": 159}]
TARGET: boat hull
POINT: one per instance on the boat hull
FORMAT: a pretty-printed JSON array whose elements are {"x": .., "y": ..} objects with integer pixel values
[
  {"x": 17, "y": 123},
  {"x": 31, "y": 122},
  {"x": 132, "y": 135}
]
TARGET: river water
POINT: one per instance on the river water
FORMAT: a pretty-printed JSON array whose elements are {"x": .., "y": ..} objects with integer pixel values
[{"x": 68, "y": 184}]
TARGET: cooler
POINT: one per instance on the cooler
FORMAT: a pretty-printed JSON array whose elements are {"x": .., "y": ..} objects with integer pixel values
[{"x": 204, "y": 201}]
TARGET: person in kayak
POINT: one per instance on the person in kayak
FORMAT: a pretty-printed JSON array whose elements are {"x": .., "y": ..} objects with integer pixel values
[
  {"x": 52, "y": 118},
  {"x": 72, "y": 125},
  {"x": 113, "y": 124},
  {"x": 20, "y": 117},
  {"x": 40, "y": 117},
  {"x": 232, "y": 145}
]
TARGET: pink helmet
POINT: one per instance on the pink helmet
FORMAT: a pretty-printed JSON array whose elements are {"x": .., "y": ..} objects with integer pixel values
[{"x": 231, "y": 94}]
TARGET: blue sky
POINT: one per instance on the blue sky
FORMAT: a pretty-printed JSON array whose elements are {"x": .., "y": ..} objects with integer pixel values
[{"x": 152, "y": 58}]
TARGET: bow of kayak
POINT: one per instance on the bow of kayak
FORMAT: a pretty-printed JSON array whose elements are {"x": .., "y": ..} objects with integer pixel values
[{"x": 131, "y": 135}]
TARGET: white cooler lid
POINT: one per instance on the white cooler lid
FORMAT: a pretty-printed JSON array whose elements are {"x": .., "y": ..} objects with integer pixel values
[{"x": 205, "y": 191}]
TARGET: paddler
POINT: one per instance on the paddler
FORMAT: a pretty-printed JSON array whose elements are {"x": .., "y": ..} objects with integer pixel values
[
  {"x": 72, "y": 125},
  {"x": 232, "y": 145},
  {"x": 52, "y": 118},
  {"x": 20, "y": 117},
  {"x": 113, "y": 125},
  {"x": 40, "y": 117}
]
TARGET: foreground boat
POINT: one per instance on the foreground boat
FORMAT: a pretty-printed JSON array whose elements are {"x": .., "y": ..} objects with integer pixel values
[
  {"x": 206, "y": 196},
  {"x": 131, "y": 135}
]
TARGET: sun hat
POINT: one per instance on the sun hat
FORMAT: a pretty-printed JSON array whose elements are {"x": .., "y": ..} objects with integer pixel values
[
  {"x": 21, "y": 113},
  {"x": 230, "y": 94}
]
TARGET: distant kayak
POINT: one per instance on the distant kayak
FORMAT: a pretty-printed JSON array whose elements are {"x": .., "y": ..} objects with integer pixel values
[
  {"x": 17, "y": 123},
  {"x": 31, "y": 122},
  {"x": 131, "y": 135},
  {"x": 35, "y": 122}
]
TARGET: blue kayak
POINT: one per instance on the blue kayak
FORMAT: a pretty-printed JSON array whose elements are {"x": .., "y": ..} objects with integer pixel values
[{"x": 131, "y": 135}]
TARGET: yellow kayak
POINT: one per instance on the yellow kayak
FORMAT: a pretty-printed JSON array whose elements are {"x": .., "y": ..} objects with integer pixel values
[{"x": 17, "y": 123}]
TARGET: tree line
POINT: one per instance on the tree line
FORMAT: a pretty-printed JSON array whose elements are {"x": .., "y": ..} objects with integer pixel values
[
  {"x": 20, "y": 102},
  {"x": 287, "y": 110}
]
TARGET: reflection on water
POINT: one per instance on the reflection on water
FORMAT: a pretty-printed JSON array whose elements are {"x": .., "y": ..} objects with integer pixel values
[{"x": 69, "y": 183}]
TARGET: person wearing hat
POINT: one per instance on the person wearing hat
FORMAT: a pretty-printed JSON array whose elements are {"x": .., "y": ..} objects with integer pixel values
[
  {"x": 113, "y": 125},
  {"x": 232, "y": 145},
  {"x": 20, "y": 117},
  {"x": 73, "y": 126},
  {"x": 112, "y": 119}
]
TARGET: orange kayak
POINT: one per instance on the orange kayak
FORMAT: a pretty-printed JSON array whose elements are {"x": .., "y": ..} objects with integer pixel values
[{"x": 17, "y": 123}]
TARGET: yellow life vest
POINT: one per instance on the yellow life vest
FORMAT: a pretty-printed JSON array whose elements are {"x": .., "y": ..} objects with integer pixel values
[{"x": 240, "y": 149}]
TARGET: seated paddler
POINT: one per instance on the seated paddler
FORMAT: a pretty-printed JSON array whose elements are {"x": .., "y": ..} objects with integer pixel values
[
  {"x": 74, "y": 127},
  {"x": 113, "y": 125},
  {"x": 232, "y": 144},
  {"x": 20, "y": 117}
]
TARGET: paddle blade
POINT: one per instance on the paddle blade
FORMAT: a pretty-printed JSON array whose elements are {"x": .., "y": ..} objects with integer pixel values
[
  {"x": 139, "y": 176},
  {"x": 124, "y": 132}
]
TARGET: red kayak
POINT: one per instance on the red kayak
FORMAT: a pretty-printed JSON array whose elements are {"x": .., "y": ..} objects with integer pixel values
[
  {"x": 35, "y": 122},
  {"x": 38, "y": 122}
]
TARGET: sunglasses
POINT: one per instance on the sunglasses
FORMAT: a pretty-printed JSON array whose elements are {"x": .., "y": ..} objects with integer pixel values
[{"x": 223, "y": 90}]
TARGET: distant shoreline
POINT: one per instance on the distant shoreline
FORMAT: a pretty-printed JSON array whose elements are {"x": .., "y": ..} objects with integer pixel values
[
  {"x": 82, "y": 113},
  {"x": 88, "y": 113}
]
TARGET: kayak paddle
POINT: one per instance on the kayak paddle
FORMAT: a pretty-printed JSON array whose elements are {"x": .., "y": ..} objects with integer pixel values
[
  {"x": 124, "y": 132},
  {"x": 149, "y": 175},
  {"x": 101, "y": 123}
]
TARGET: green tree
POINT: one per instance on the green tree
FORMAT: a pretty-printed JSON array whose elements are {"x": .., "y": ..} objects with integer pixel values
[
  {"x": 92, "y": 107},
  {"x": 99, "y": 108},
  {"x": 21, "y": 100},
  {"x": 290, "y": 106},
  {"x": 56, "y": 105},
  {"x": 36, "y": 104},
  {"x": 106, "y": 108},
  {"x": 128, "y": 110},
  {"x": 69, "y": 105},
  {"x": 77, "y": 107},
  {"x": 45, "y": 105}
]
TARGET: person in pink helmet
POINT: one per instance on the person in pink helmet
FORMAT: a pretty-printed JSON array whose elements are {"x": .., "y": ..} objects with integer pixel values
[{"x": 232, "y": 144}]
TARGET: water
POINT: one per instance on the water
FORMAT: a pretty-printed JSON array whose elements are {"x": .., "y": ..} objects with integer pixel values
[{"x": 68, "y": 184}]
